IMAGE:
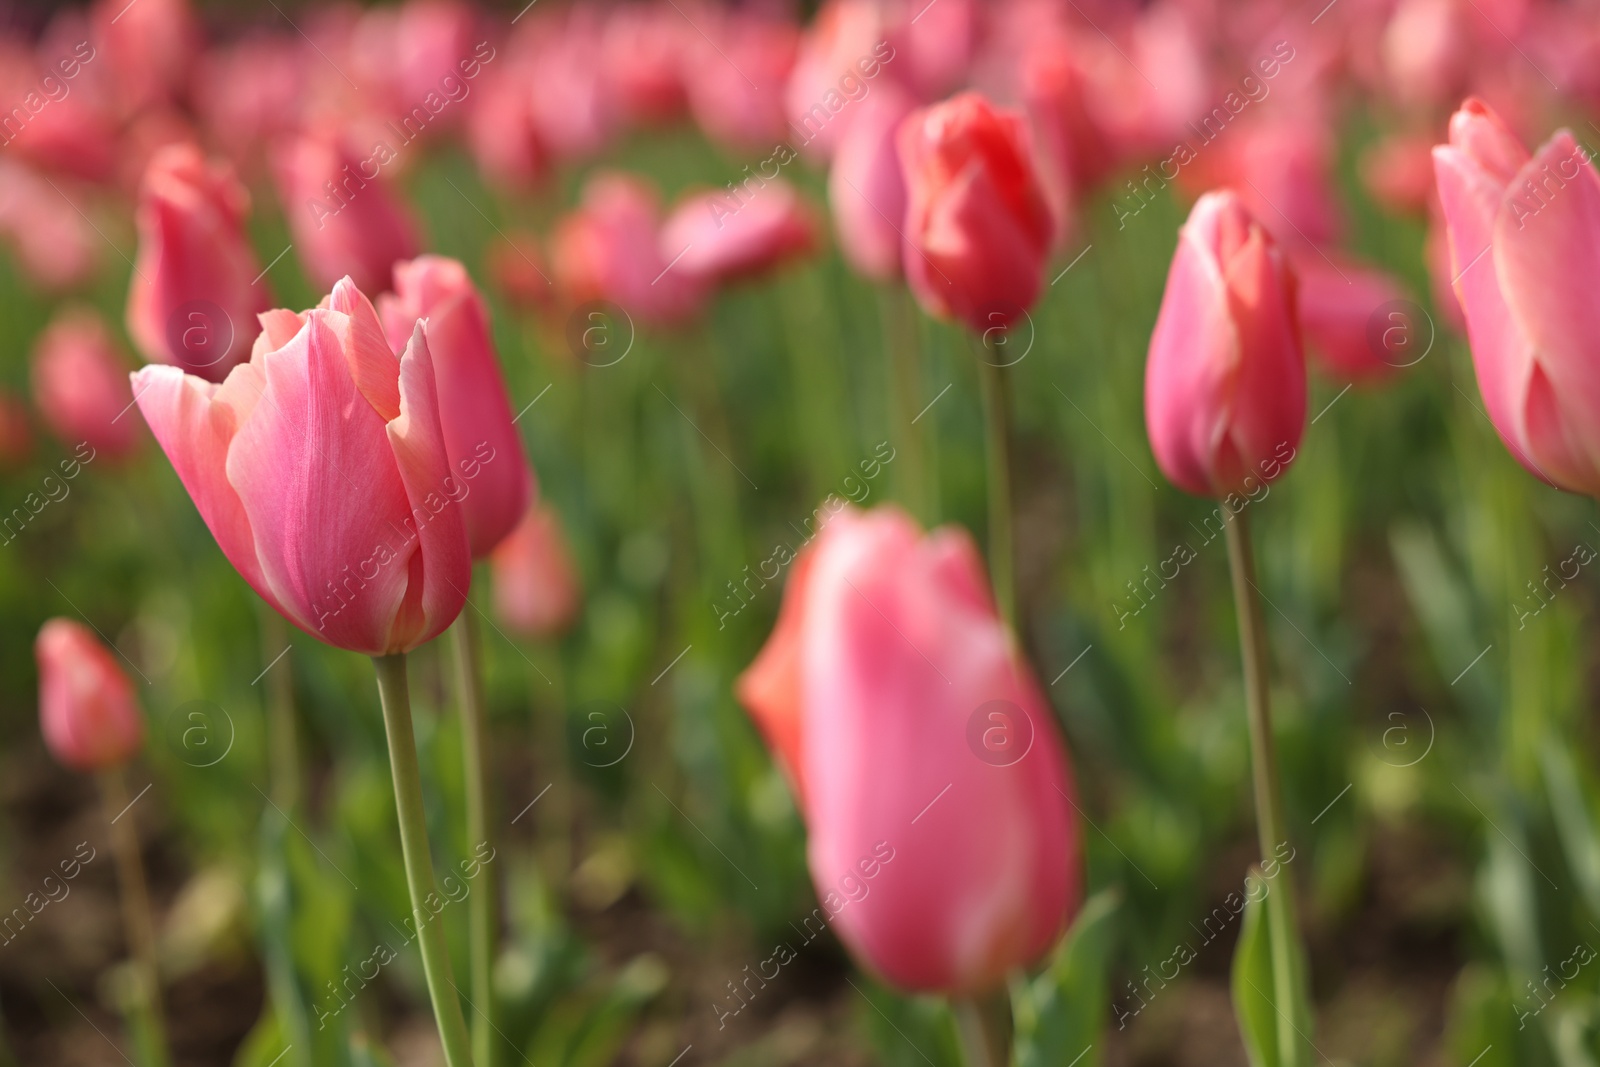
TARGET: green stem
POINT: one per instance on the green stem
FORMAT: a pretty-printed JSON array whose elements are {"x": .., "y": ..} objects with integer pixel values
[
  {"x": 1270, "y": 821},
  {"x": 137, "y": 919},
  {"x": 984, "y": 1025},
  {"x": 997, "y": 433},
  {"x": 396, "y": 699},
  {"x": 481, "y": 905},
  {"x": 905, "y": 395},
  {"x": 283, "y": 755}
]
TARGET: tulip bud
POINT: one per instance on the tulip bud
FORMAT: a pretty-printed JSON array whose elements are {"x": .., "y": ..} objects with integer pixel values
[
  {"x": 487, "y": 464},
  {"x": 720, "y": 237},
  {"x": 929, "y": 769},
  {"x": 1346, "y": 313},
  {"x": 536, "y": 585},
  {"x": 866, "y": 188},
  {"x": 87, "y": 710},
  {"x": 1225, "y": 385},
  {"x": 344, "y": 217},
  {"x": 80, "y": 385},
  {"x": 196, "y": 289},
  {"x": 1523, "y": 233},
  {"x": 977, "y": 226},
  {"x": 321, "y": 469}
]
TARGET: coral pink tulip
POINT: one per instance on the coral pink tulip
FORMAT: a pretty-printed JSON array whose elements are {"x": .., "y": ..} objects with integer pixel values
[
  {"x": 501, "y": 131},
  {"x": 80, "y": 385},
  {"x": 977, "y": 226},
  {"x": 866, "y": 188},
  {"x": 196, "y": 289},
  {"x": 1525, "y": 246},
  {"x": 474, "y": 410},
  {"x": 321, "y": 469},
  {"x": 537, "y": 591},
  {"x": 643, "y": 50},
  {"x": 345, "y": 218},
  {"x": 1225, "y": 385},
  {"x": 842, "y": 55},
  {"x": 1348, "y": 318},
  {"x": 87, "y": 709},
  {"x": 151, "y": 48},
  {"x": 719, "y": 237},
  {"x": 930, "y": 772}
]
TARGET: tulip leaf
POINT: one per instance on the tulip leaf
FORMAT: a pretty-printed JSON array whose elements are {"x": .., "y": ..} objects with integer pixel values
[
  {"x": 1059, "y": 1014},
  {"x": 1275, "y": 1026}
]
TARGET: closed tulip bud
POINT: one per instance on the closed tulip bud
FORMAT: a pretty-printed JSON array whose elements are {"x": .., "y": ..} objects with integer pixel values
[
  {"x": 80, "y": 385},
  {"x": 321, "y": 469},
  {"x": 87, "y": 710},
  {"x": 928, "y": 766},
  {"x": 344, "y": 217},
  {"x": 537, "y": 591},
  {"x": 1225, "y": 385},
  {"x": 486, "y": 459},
  {"x": 977, "y": 226},
  {"x": 721, "y": 237},
  {"x": 196, "y": 289},
  {"x": 866, "y": 188},
  {"x": 1523, "y": 235}
]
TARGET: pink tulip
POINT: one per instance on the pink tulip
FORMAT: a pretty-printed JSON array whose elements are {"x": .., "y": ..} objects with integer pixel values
[
  {"x": 80, "y": 385},
  {"x": 720, "y": 237},
  {"x": 928, "y": 766},
  {"x": 537, "y": 592},
  {"x": 1525, "y": 244},
  {"x": 432, "y": 38},
  {"x": 150, "y": 48},
  {"x": 1348, "y": 322},
  {"x": 643, "y": 50},
  {"x": 521, "y": 274},
  {"x": 745, "y": 114},
  {"x": 574, "y": 111},
  {"x": 250, "y": 94},
  {"x": 196, "y": 289},
  {"x": 474, "y": 411},
  {"x": 344, "y": 217},
  {"x": 843, "y": 54},
  {"x": 1398, "y": 172},
  {"x": 321, "y": 469},
  {"x": 58, "y": 249},
  {"x": 610, "y": 249},
  {"x": 977, "y": 226},
  {"x": 87, "y": 710},
  {"x": 866, "y": 188},
  {"x": 502, "y": 133},
  {"x": 1225, "y": 385}
]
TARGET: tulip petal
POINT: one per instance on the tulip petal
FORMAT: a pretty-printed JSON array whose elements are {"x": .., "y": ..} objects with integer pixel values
[{"x": 372, "y": 361}]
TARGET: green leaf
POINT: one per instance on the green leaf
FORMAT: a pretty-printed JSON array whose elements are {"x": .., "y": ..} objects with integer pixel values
[
  {"x": 1059, "y": 1015},
  {"x": 1275, "y": 1029}
]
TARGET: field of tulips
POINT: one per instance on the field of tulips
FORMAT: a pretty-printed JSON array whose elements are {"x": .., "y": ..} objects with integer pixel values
[{"x": 965, "y": 533}]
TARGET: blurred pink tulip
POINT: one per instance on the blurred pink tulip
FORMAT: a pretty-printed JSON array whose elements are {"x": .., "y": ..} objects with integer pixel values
[
  {"x": 888, "y": 682},
  {"x": 977, "y": 226},
  {"x": 934, "y": 43},
  {"x": 343, "y": 215},
  {"x": 1398, "y": 172},
  {"x": 196, "y": 288},
  {"x": 866, "y": 188},
  {"x": 321, "y": 469},
  {"x": 1225, "y": 384},
  {"x": 432, "y": 39},
  {"x": 745, "y": 114},
  {"x": 58, "y": 116},
  {"x": 1351, "y": 320},
  {"x": 87, "y": 710},
  {"x": 150, "y": 48},
  {"x": 250, "y": 94},
  {"x": 502, "y": 133},
  {"x": 520, "y": 272},
  {"x": 718, "y": 237},
  {"x": 842, "y": 54},
  {"x": 58, "y": 249},
  {"x": 1525, "y": 246},
  {"x": 1282, "y": 169},
  {"x": 610, "y": 249},
  {"x": 80, "y": 385},
  {"x": 474, "y": 411},
  {"x": 643, "y": 50},
  {"x": 573, "y": 108},
  {"x": 536, "y": 586}
]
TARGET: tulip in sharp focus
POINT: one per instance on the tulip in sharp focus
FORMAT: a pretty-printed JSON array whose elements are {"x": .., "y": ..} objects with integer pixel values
[
  {"x": 720, "y": 237},
  {"x": 928, "y": 767},
  {"x": 1225, "y": 385},
  {"x": 321, "y": 469},
  {"x": 1525, "y": 250},
  {"x": 87, "y": 709},
  {"x": 977, "y": 226},
  {"x": 80, "y": 385},
  {"x": 196, "y": 289},
  {"x": 536, "y": 586},
  {"x": 474, "y": 411}
]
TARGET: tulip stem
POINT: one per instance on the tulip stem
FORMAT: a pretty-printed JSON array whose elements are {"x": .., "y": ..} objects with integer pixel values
[
  {"x": 481, "y": 906},
  {"x": 984, "y": 1025},
  {"x": 1270, "y": 821},
  {"x": 283, "y": 744},
  {"x": 137, "y": 921},
  {"x": 997, "y": 431},
  {"x": 396, "y": 698}
]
